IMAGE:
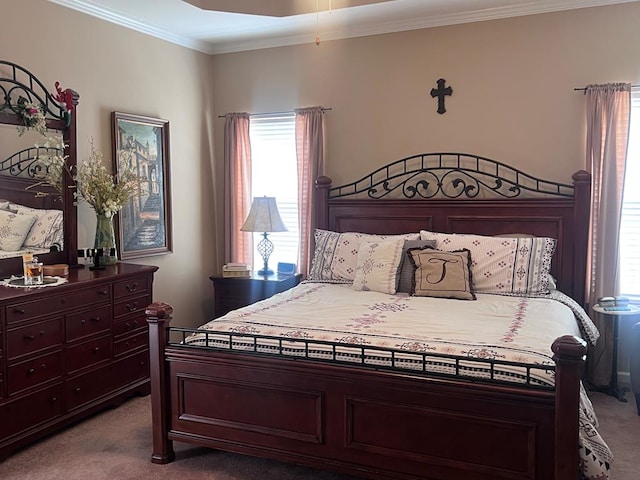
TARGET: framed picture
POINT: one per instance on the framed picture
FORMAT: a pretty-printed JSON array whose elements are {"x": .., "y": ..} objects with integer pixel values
[{"x": 141, "y": 144}]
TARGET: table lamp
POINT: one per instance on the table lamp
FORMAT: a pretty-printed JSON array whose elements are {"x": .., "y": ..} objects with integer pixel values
[{"x": 264, "y": 217}]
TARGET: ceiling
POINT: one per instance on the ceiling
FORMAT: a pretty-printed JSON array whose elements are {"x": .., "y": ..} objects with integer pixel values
[{"x": 224, "y": 26}]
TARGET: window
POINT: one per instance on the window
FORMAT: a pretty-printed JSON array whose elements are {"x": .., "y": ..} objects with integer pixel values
[
  {"x": 630, "y": 220},
  {"x": 274, "y": 173}
]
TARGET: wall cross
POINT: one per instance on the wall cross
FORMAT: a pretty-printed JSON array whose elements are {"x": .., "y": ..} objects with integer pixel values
[{"x": 441, "y": 92}]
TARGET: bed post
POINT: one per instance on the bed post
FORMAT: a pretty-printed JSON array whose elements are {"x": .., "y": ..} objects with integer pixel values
[
  {"x": 569, "y": 354},
  {"x": 581, "y": 217},
  {"x": 158, "y": 317},
  {"x": 323, "y": 184}
]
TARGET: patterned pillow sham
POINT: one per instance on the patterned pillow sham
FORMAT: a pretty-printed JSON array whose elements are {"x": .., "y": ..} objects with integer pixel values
[
  {"x": 47, "y": 229},
  {"x": 13, "y": 230},
  {"x": 406, "y": 268},
  {"x": 442, "y": 274},
  {"x": 377, "y": 266},
  {"x": 336, "y": 254},
  {"x": 503, "y": 265}
]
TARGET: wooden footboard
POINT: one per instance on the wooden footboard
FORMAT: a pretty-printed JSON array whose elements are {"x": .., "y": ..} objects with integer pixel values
[{"x": 370, "y": 423}]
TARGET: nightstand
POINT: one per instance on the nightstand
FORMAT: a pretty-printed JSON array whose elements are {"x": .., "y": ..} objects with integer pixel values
[
  {"x": 235, "y": 292},
  {"x": 613, "y": 315}
]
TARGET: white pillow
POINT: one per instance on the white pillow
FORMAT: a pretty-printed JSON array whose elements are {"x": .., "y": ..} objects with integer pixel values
[
  {"x": 13, "y": 230},
  {"x": 505, "y": 265},
  {"x": 336, "y": 254},
  {"x": 377, "y": 267},
  {"x": 47, "y": 228}
]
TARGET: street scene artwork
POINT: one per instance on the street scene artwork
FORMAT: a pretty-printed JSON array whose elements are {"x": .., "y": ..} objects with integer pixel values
[{"x": 141, "y": 144}]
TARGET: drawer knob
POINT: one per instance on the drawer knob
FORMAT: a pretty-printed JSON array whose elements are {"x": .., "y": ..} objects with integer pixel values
[
  {"x": 132, "y": 307},
  {"x": 53, "y": 399},
  {"x": 96, "y": 349},
  {"x": 77, "y": 390},
  {"x": 83, "y": 321},
  {"x": 131, "y": 288},
  {"x": 102, "y": 292},
  {"x": 31, "y": 371},
  {"x": 19, "y": 311},
  {"x": 95, "y": 319}
]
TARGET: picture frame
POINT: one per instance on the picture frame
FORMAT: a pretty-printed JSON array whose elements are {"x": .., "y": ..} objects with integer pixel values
[{"x": 144, "y": 224}]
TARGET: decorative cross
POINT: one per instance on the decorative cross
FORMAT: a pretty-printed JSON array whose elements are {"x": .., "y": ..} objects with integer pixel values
[{"x": 440, "y": 92}]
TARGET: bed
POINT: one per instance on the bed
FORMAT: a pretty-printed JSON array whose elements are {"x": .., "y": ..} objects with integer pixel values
[
  {"x": 365, "y": 394},
  {"x": 35, "y": 217}
]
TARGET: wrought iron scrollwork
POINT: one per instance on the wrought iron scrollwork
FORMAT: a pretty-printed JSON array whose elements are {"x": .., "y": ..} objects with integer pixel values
[
  {"x": 27, "y": 163},
  {"x": 18, "y": 85},
  {"x": 450, "y": 176}
]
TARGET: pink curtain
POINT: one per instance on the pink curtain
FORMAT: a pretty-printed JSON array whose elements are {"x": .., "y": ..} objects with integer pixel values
[
  {"x": 238, "y": 245},
  {"x": 310, "y": 154},
  {"x": 608, "y": 118}
]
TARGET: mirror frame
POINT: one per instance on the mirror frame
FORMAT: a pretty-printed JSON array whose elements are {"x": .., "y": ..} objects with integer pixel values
[{"x": 60, "y": 114}]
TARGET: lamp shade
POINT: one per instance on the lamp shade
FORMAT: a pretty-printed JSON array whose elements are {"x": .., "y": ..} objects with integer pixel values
[{"x": 263, "y": 216}]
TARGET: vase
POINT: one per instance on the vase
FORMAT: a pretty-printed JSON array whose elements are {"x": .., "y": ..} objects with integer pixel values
[{"x": 106, "y": 240}]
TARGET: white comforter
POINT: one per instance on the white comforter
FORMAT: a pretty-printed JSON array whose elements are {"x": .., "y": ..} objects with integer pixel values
[{"x": 517, "y": 329}]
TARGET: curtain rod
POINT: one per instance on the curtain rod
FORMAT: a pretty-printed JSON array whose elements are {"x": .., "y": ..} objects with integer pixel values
[
  {"x": 584, "y": 89},
  {"x": 324, "y": 109}
]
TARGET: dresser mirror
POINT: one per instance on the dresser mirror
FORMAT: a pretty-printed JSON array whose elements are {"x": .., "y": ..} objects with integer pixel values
[{"x": 32, "y": 211}]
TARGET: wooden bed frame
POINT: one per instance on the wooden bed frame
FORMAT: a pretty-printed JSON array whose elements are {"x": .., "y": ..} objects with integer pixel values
[{"x": 381, "y": 424}]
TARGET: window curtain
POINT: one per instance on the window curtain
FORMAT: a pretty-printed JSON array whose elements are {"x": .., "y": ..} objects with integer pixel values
[
  {"x": 238, "y": 246},
  {"x": 310, "y": 156},
  {"x": 608, "y": 118}
]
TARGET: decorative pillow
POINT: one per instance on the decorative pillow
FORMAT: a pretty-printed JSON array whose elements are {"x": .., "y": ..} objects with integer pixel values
[
  {"x": 505, "y": 265},
  {"x": 47, "y": 228},
  {"x": 13, "y": 230},
  {"x": 442, "y": 274},
  {"x": 377, "y": 267},
  {"x": 336, "y": 254},
  {"x": 6, "y": 205},
  {"x": 405, "y": 277}
]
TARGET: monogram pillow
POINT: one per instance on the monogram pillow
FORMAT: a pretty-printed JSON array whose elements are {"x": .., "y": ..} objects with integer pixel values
[
  {"x": 336, "y": 254},
  {"x": 377, "y": 266},
  {"x": 504, "y": 265},
  {"x": 405, "y": 275},
  {"x": 442, "y": 274}
]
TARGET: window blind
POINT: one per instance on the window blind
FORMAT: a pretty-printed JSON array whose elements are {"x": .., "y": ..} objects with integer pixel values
[
  {"x": 630, "y": 219},
  {"x": 274, "y": 173}
]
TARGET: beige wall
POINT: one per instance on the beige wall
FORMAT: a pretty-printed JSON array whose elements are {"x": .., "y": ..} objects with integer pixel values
[
  {"x": 512, "y": 80},
  {"x": 116, "y": 69}
]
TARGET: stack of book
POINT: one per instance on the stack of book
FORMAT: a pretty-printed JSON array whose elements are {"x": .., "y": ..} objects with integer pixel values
[{"x": 236, "y": 270}]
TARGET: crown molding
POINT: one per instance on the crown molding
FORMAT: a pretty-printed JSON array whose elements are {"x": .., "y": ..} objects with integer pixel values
[
  {"x": 110, "y": 16},
  {"x": 232, "y": 46}
]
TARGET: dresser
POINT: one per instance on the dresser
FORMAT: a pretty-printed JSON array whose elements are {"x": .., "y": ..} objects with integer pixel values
[
  {"x": 230, "y": 293},
  {"x": 70, "y": 350}
]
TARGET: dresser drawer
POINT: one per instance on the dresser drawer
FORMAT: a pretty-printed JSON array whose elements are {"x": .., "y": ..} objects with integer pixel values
[
  {"x": 88, "y": 387},
  {"x": 128, "y": 370},
  {"x": 131, "y": 369},
  {"x": 133, "y": 286},
  {"x": 89, "y": 322},
  {"x": 30, "y": 411},
  {"x": 129, "y": 325},
  {"x": 88, "y": 353},
  {"x": 27, "y": 310},
  {"x": 132, "y": 305},
  {"x": 32, "y": 372},
  {"x": 133, "y": 342},
  {"x": 34, "y": 337}
]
